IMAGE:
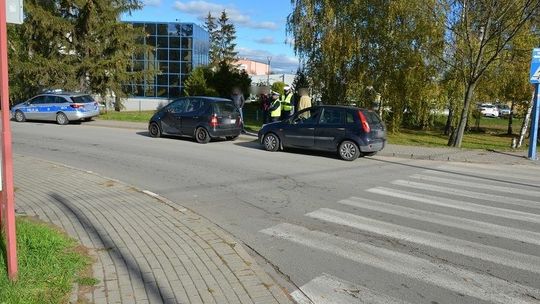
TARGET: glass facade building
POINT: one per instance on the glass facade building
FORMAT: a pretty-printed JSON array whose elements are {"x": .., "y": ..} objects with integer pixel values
[{"x": 175, "y": 49}]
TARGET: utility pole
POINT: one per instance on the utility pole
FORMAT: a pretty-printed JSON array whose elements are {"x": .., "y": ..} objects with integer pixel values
[
  {"x": 7, "y": 200},
  {"x": 535, "y": 79}
]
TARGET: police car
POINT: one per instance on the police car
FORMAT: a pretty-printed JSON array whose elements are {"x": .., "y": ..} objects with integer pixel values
[{"x": 58, "y": 106}]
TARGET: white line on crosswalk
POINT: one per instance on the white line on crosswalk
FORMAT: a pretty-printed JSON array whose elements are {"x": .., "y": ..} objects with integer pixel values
[
  {"x": 471, "y": 184},
  {"x": 478, "y": 251},
  {"x": 327, "y": 289},
  {"x": 480, "y": 286},
  {"x": 469, "y": 194},
  {"x": 455, "y": 204},
  {"x": 446, "y": 220},
  {"x": 508, "y": 175}
]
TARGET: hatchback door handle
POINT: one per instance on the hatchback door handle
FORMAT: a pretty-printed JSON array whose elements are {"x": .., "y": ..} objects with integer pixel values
[
  {"x": 341, "y": 129},
  {"x": 311, "y": 129}
]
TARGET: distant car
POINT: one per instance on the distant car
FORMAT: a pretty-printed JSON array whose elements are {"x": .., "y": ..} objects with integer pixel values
[
  {"x": 349, "y": 131},
  {"x": 58, "y": 106},
  {"x": 504, "y": 110},
  {"x": 202, "y": 118},
  {"x": 489, "y": 110}
]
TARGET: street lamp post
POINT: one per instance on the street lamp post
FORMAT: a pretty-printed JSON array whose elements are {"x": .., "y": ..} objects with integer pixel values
[{"x": 268, "y": 70}]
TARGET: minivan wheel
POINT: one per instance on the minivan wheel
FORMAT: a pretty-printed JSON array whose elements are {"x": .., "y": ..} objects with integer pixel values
[
  {"x": 62, "y": 119},
  {"x": 154, "y": 130},
  {"x": 271, "y": 142},
  {"x": 202, "y": 136},
  {"x": 348, "y": 150},
  {"x": 19, "y": 116}
]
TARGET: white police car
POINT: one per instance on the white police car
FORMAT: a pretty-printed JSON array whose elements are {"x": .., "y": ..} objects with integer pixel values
[{"x": 58, "y": 106}]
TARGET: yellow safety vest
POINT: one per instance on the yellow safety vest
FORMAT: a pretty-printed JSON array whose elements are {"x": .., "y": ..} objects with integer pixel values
[
  {"x": 276, "y": 112},
  {"x": 287, "y": 106}
]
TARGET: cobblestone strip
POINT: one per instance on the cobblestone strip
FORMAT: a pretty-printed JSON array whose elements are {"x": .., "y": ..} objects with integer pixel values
[{"x": 147, "y": 249}]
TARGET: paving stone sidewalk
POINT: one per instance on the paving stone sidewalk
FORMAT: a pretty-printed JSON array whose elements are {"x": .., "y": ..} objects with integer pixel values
[{"x": 146, "y": 249}]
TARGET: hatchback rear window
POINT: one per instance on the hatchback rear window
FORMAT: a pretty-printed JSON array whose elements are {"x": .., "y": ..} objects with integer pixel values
[
  {"x": 224, "y": 108},
  {"x": 82, "y": 99},
  {"x": 372, "y": 118}
]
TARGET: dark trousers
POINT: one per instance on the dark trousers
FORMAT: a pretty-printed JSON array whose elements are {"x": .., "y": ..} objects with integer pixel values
[
  {"x": 274, "y": 119},
  {"x": 286, "y": 114}
]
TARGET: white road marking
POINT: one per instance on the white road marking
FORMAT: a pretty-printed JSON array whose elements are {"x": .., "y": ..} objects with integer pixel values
[
  {"x": 454, "y": 204},
  {"x": 446, "y": 220},
  {"x": 476, "y": 285},
  {"x": 471, "y": 184},
  {"x": 327, "y": 289},
  {"x": 478, "y": 251},
  {"x": 507, "y": 174},
  {"x": 468, "y": 194}
]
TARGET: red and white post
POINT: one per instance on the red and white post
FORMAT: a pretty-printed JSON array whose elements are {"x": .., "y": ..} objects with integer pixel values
[{"x": 7, "y": 201}]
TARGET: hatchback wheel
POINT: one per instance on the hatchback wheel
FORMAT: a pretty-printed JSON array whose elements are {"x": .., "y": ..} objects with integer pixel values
[
  {"x": 62, "y": 119},
  {"x": 202, "y": 136},
  {"x": 271, "y": 142},
  {"x": 348, "y": 150},
  {"x": 154, "y": 130},
  {"x": 19, "y": 116}
]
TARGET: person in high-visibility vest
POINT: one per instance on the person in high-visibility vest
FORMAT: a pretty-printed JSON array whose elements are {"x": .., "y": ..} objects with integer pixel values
[
  {"x": 275, "y": 107},
  {"x": 287, "y": 108}
]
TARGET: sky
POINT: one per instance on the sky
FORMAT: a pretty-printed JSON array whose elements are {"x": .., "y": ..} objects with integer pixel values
[{"x": 260, "y": 25}]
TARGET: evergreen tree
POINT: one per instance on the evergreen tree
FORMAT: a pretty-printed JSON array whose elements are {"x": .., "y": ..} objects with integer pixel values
[
  {"x": 74, "y": 45},
  {"x": 226, "y": 40},
  {"x": 212, "y": 28},
  {"x": 222, "y": 40},
  {"x": 196, "y": 84}
]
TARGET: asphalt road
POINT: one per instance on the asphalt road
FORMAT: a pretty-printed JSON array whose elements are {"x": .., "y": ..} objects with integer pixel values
[{"x": 377, "y": 230}]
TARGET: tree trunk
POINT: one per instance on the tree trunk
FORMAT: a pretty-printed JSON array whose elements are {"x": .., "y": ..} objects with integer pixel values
[
  {"x": 458, "y": 138},
  {"x": 510, "y": 119},
  {"x": 525, "y": 124},
  {"x": 449, "y": 119}
]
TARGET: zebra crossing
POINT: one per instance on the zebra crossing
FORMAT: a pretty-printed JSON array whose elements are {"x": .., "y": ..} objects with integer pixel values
[{"x": 479, "y": 201}]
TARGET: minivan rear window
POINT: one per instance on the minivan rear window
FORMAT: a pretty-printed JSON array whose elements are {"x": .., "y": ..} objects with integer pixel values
[
  {"x": 224, "y": 108},
  {"x": 82, "y": 99}
]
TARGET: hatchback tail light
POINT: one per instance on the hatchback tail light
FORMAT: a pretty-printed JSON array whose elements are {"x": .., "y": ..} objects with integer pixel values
[
  {"x": 213, "y": 121},
  {"x": 364, "y": 122},
  {"x": 76, "y": 105}
]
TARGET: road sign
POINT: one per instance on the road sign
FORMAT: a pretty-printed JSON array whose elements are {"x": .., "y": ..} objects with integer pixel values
[
  {"x": 14, "y": 11},
  {"x": 535, "y": 66}
]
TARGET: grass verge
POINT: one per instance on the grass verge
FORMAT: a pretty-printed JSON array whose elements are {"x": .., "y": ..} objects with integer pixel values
[
  {"x": 132, "y": 116},
  {"x": 49, "y": 263}
]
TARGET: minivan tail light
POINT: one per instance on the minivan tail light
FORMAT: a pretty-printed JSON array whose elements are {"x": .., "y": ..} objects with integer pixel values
[
  {"x": 364, "y": 122},
  {"x": 213, "y": 121}
]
